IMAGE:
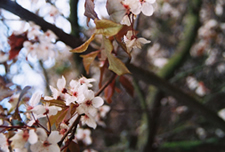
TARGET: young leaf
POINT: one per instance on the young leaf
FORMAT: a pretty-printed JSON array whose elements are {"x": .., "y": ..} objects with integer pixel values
[
  {"x": 84, "y": 46},
  {"x": 89, "y": 9},
  {"x": 107, "y": 27},
  {"x": 115, "y": 64},
  {"x": 88, "y": 59}
]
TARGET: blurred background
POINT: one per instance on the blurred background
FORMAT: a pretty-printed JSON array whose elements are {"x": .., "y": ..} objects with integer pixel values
[{"x": 187, "y": 49}]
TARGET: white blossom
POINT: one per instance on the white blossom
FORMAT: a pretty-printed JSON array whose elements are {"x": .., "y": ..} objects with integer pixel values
[
  {"x": 23, "y": 136},
  {"x": 132, "y": 41},
  {"x": 46, "y": 143},
  {"x": 84, "y": 135}
]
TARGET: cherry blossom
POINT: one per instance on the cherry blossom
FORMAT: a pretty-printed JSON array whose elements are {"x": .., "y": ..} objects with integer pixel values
[
  {"x": 61, "y": 84},
  {"x": 88, "y": 120},
  {"x": 76, "y": 92},
  {"x": 132, "y": 41},
  {"x": 84, "y": 135},
  {"x": 21, "y": 137},
  {"x": 46, "y": 143},
  {"x": 103, "y": 110},
  {"x": 43, "y": 110},
  {"x": 34, "y": 100},
  {"x": 90, "y": 103},
  {"x": 138, "y": 6},
  {"x": 86, "y": 81}
]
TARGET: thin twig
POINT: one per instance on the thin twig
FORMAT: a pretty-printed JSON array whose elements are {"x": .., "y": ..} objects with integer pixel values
[{"x": 106, "y": 84}]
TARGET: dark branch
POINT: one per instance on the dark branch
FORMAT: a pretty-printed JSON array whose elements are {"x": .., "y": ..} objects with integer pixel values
[
  {"x": 150, "y": 78},
  {"x": 24, "y": 14}
]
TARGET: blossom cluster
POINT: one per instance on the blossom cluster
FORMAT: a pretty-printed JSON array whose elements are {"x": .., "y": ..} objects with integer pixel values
[
  {"x": 76, "y": 105},
  {"x": 40, "y": 44},
  {"x": 134, "y": 8}
]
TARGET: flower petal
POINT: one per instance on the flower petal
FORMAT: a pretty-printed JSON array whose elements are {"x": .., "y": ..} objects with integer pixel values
[
  {"x": 61, "y": 83},
  {"x": 97, "y": 102},
  {"x": 33, "y": 138},
  {"x": 147, "y": 9},
  {"x": 54, "y": 137}
]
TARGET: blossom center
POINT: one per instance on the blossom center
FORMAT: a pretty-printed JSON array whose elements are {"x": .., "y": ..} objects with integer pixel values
[
  {"x": 25, "y": 135},
  {"x": 88, "y": 103},
  {"x": 75, "y": 94},
  {"x": 46, "y": 143}
]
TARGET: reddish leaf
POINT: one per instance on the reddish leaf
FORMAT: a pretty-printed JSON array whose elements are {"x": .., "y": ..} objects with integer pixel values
[
  {"x": 109, "y": 91},
  {"x": 88, "y": 59},
  {"x": 89, "y": 10},
  {"x": 16, "y": 44},
  {"x": 127, "y": 85}
]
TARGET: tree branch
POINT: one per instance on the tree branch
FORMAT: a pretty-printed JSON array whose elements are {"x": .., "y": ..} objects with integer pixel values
[
  {"x": 151, "y": 78},
  {"x": 24, "y": 14}
]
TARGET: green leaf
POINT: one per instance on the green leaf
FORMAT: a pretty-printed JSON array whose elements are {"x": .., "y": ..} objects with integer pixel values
[
  {"x": 88, "y": 59},
  {"x": 115, "y": 64},
  {"x": 84, "y": 46},
  {"x": 107, "y": 27}
]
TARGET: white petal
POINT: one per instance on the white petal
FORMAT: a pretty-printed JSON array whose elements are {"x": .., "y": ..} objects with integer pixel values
[
  {"x": 147, "y": 9},
  {"x": 33, "y": 138},
  {"x": 35, "y": 99},
  {"x": 55, "y": 92},
  {"x": 61, "y": 83},
  {"x": 53, "y": 110},
  {"x": 130, "y": 43},
  {"x": 39, "y": 110},
  {"x": 41, "y": 134},
  {"x": 89, "y": 94},
  {"x": 48, "y": 98},
  {"x": 125, "y": 21},
  {"x": 135, "y": 7},
  {"x": 143, "y": 40},
  {"x": 89, "y": 120},
  {"x": 53, "y": 148},
  {"x": 36, "y": 147},
  {"x": 150, "y": 1},
  {"x": 97, "y": 102},
  {"x": 54, "y": 137}
]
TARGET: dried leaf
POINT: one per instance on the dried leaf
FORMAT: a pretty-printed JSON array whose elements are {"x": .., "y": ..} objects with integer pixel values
[
  {"x": 88, "y": 59},
  {"x": 115, "y": 10},
  {"x": 127, "y": 85},
  {"x": 107, "y": 27},
  {"x": 89, "y": 10},
  {"x": 84, "y": 46},
  {"x": 115, "y": 64}
]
